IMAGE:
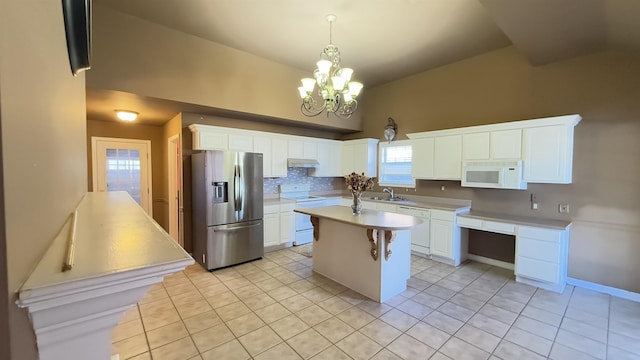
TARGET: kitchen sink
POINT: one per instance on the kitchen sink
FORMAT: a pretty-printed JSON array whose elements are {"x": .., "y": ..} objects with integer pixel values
[{"x": 386, "y": 198}]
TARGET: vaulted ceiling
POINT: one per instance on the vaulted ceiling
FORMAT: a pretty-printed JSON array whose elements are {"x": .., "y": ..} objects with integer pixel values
[{"x": 385, "y": 40}]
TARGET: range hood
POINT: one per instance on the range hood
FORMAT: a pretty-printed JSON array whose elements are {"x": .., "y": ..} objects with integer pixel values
[{"x": 303, "y": 163}]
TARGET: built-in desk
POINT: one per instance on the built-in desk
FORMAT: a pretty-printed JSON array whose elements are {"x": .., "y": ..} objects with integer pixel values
[{"x": 542, "y": 245}]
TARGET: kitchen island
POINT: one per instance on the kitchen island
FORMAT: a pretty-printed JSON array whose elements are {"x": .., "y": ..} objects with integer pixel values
[{"x": 369, "y": 253}]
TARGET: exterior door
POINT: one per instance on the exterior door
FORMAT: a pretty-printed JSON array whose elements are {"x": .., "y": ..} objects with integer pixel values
[{"x": 123, "y": 165}]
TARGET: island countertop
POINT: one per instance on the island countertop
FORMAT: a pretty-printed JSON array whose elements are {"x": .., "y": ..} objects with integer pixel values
[{"x": 367, "y": 219}]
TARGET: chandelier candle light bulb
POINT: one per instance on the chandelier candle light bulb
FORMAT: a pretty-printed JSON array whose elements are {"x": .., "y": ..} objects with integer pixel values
[{"x": 335, "y": 87}]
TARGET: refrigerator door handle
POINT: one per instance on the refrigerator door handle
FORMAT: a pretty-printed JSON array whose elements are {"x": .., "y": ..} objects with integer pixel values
[
  {"x": 237, "y": 188},
  {"x": 234, "y": 227}
]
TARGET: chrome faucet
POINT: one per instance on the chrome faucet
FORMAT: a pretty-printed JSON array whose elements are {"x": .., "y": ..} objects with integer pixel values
[{"x": 390, "y": 191}]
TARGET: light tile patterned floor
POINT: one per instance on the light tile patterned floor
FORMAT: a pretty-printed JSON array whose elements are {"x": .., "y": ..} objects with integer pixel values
[{"x": 277, "y": 308}]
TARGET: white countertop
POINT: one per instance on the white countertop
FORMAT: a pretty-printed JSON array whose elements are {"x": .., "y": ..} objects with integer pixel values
[
  {"x": 114, "y": 236},
  {"x": 426, "y": 202},
  {"x": 517, "y": 220},
  {"x": 367, "y": 219}
]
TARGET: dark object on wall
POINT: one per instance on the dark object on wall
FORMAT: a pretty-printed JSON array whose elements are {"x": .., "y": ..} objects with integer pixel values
[{"x": 77, "y": 26}]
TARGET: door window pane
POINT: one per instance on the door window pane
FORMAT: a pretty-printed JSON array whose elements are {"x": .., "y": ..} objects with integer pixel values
[{"x": 123, "y": 171}]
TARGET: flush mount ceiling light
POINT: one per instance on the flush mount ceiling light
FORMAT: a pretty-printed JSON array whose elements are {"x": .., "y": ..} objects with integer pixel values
[
  {"x": 126, "y": 115},
  {"x": 336, "y": 90}
]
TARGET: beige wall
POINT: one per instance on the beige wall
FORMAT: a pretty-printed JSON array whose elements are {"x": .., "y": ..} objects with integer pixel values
[
  {"x": 136, "y": 56},
  {"x": 4, "y": 286},
  {"x": 172, "y": 128},
  {"x": 501, "y": 86},
  {"x": 43, "y": 144},
  {"x": 158, "y": 157}
]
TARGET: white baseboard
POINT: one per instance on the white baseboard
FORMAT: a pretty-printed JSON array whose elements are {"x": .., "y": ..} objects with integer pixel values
[
  {"x": 624, "y": 294},
  {"x": 115, "y": 357},
  {"x": 494, "y": 262},
  {"x": 604, "y": 289}
]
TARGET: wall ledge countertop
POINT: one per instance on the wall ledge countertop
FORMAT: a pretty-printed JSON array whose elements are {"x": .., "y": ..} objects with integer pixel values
[
  {"x": 460, "y": 206},
  {"x": 517, "y": 219}
]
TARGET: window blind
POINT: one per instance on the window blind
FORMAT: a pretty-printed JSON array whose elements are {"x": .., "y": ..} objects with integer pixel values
[{"x": 395, "y": 164}]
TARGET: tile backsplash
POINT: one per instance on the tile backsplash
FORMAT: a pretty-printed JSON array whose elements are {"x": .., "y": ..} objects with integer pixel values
[{"x": 298, "y": 176}]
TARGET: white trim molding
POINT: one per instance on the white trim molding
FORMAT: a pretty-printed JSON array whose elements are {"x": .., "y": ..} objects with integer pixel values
[
  {"x": 119, "y": 253},
  {"x": 624, "y": 294}
]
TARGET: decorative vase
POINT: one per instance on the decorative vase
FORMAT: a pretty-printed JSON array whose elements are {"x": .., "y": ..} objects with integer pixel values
[{"x": 356, "y": 207}]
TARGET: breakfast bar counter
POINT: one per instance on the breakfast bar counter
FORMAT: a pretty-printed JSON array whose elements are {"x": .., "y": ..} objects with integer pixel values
[{"x": 369, "y": 253}]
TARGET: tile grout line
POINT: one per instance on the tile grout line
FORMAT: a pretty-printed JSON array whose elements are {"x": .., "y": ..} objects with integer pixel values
[{"x": 303, "y": 266}]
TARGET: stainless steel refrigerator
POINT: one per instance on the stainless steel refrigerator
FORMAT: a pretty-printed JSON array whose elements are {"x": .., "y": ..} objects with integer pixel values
[{"x": 226, "y": 208}]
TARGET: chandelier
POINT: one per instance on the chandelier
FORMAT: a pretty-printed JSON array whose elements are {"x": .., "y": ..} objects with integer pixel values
[{"x": 337, "y": 93}]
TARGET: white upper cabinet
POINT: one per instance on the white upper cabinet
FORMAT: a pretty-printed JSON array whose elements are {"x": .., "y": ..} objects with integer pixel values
[
  {"x": 329, "y": 158},
  {"x": 492, "y": 145},
  {"x": 240, "y": 142},
  {"x": 262, "y": 145},
  {"x": 278, "y": 157},
  {"x": 448, "y": 157},
  {"x": 209, "y": 137},
  {"x": 438, "y": 157},
  {"x": 274, "y": 152},
  {"x": 475, "y": 146},
  {"x": 545, "y": 145},
  {"x": 360, "y": 156},
  {"x": 548, "y": 154},
  {"x": 303, "y": 149},
  {"x": 296, "y": 149},
  {"x": 422, "y": 166},
  {"x": 310, "y": 150},
  {"x": 336, "y": 158},
  {"x": 506, "y": 144}
]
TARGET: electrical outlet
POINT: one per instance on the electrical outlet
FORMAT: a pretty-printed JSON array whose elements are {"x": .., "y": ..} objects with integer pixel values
[
  {"x": 563, "y": 208},
  {"x": 534, "y": 202},
  {"x": 534, "y": 206}
]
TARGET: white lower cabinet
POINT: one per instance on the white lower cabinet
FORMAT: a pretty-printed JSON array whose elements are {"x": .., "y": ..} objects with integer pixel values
[
  {"x": 271, "y": 229},
  {"x": 287, "y": 225},
  {"x": 541, "y": 256},
  {"x": 440, "y": 233},
  {"x": 445, "y": 238},
  {"x": 279, "y": 225}
]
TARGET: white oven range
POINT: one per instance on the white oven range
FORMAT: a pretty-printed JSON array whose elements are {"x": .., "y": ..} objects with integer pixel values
[{"x": 303, "y": 226}]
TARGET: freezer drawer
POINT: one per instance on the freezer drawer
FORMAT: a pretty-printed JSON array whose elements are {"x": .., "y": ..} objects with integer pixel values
[{"x": 232, "y": 244}]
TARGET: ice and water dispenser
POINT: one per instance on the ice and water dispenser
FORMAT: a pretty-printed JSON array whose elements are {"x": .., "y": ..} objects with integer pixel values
[{"x": 220, "y": 191}]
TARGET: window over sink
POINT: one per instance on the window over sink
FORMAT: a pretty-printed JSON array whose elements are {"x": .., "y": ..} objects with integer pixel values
[{"x": 395, "y": 164}]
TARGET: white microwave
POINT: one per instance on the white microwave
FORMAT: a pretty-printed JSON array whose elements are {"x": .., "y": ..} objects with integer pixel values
[{"x": 493, "y": 174}]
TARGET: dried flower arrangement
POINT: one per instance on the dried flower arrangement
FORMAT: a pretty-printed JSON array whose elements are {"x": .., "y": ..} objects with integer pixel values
[{"x": 359, "y": 183}]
